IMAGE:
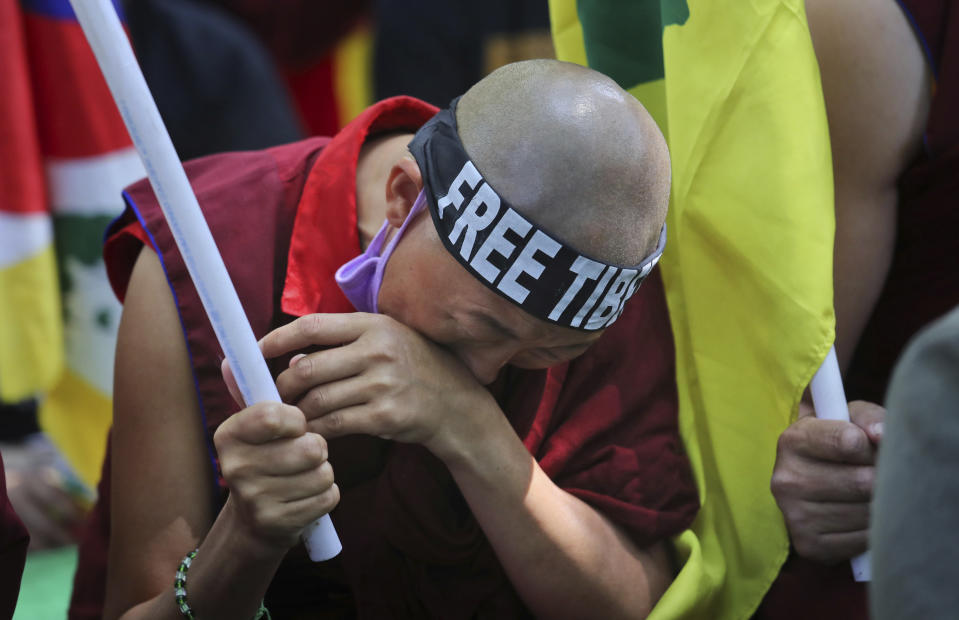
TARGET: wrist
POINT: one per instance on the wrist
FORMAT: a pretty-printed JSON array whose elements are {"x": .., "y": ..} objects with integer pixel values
[
  {"x": 244, "y": 538},
  {"x": 230, "y": 573},
  {"x": 462, "y": 420},
  {"x": 481, "y": 440}
]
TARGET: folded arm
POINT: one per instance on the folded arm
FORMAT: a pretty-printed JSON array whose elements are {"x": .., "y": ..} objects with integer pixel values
[{"x": 381, "y": 378}]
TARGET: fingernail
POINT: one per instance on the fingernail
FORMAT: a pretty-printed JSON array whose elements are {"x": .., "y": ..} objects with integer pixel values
[
  {"x": 296, "y": 358},
  {"x": 876, "y": 429}
]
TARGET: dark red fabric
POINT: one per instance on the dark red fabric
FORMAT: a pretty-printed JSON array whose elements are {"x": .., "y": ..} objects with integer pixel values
[
  {"x": 806, "y": 590},
  {"x": 603, "y": 427},
  {"x": 14, "y": 540},
  {"x": 314, "y": 96},
  {"x": 90, "y": 579},
  {"x": 922, "y": 285}
]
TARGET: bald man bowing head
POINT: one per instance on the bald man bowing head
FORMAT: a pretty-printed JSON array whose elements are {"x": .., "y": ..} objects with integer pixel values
[{"x": 468, "y": 387}]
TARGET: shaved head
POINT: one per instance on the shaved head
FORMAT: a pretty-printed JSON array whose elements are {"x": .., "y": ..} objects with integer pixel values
[{"x": 574, "y": 152}]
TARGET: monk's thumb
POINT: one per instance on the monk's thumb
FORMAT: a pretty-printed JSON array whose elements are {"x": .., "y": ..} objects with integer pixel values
[{"x": 231, "y": 384}]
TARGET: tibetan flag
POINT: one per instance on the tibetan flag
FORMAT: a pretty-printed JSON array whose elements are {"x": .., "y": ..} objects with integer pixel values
[
  {"x": 31, "y": 331},
  {"x": 70, "y": 137},
  {"x": 748, "y": 269},
  {"x": 338, "y": 86}
]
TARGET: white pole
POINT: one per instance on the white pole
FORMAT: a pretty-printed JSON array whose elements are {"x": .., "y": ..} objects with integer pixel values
[
  {"x": 103, "y": 31},
  {"x": 829, "y": 399}
]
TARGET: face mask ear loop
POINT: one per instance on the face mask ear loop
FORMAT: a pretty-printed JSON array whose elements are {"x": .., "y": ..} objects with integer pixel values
[{"x": 418, "y": 206}]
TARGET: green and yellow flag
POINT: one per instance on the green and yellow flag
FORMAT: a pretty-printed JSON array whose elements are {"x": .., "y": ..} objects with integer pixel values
[{"x": 748, "y": 269}]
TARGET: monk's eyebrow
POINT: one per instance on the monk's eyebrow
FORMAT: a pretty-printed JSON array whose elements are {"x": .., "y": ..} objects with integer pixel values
[{"x": 495, "y": 325}]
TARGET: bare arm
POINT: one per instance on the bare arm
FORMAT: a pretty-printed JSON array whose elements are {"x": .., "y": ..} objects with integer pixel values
[
  {"x": 564, "y": 558},
  {"x": 381, "y": 378},
  {"x": 158, "y": 513},
  {"x": 161, "y": 475},
  {"x": 876, "y": 86}
]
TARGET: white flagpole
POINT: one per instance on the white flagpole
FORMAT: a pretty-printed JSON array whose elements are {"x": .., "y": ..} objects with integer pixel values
[
  {"x": 829, "y": 399},
  {"x": 106, "y": 37}
]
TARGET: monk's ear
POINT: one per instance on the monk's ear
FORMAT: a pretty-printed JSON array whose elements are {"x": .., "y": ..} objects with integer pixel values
[{"x": 403, "y": 185}]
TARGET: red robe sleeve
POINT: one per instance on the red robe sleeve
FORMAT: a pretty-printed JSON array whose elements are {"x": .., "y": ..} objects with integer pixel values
[{"x": 606, "y": 425}]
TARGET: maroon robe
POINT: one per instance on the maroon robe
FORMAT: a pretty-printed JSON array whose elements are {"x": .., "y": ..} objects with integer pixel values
[
  {"x": 14, "y": 540},
  {"x": 603, "y": 427}
]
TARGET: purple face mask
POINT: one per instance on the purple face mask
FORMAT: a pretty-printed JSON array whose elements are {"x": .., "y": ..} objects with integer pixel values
[{"x": 360, "y": 279}]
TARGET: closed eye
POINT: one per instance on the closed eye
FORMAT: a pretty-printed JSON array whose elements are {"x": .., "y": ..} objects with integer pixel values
[{"x": 501, "y": 330}]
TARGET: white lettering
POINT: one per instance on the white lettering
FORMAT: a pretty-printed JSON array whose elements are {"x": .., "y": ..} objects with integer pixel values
[
  {"x": 613, "y": 299},
  {"x": 496, "y": 242},
  {"x": 472, "y": 221},
  {"x": 593, "y": 296},
  {"x": 585, "y": 269},
  {"x": 526, "y": 263},
  {"x": 469, "y": 175},
  {"x": 634, "y": 285}
]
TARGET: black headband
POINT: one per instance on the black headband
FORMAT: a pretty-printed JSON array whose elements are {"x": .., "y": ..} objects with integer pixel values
[{"x": 510, "y": 254}]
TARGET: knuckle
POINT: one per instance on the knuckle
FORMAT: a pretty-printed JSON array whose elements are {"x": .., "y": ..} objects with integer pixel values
[
  {"x": 378, "y": 353},
  {"x": 333, "y": 421},
  {"x": 383, "y": 416},
  {"x": 222, "y": 437},
  {"x": 240, "y": 472},
  {"x": 851, "y": 440},
  {"x": 309, "y": 324},
  {"x": 317, "y": 400},
  {"x": 863, "y": 481},
  {"x": 788, "y": 440},
  {"x": 807, "y": 545},
  {"x": 330, "y": 498},
  {"x": 384, "y": 383},
  {"x": 797, "y": 516},
  {"x": 325, "y": 475},
  {"x": 315, "y": 447},
  {"x": 778, "y": 483},
  {"x": 270, "y": 419},
  {"x": 785, "y": 483},
  {"x": 229, "y": 470},
  {"x": 262, "y": 515},
  {"x": 303, "y": 368},
  {"x": 247, "y": 489}
]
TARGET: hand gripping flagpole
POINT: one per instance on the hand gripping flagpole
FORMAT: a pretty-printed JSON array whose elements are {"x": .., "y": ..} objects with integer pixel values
[
  {"x": 829, "y": 399},
  {"x": 106, "y": 36}
]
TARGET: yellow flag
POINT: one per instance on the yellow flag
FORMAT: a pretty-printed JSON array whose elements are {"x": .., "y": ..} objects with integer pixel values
[{"x": 748, "y": 267}]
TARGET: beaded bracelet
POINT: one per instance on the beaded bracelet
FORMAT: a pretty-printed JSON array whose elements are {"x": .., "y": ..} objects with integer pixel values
[
  {"x": 179, "y": 585},
  {"x": 179, "y": 590}
]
